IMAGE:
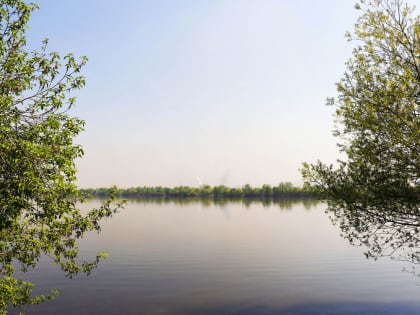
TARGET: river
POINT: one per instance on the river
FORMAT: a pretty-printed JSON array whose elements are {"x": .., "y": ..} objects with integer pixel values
[{"x": 228, "y": 258}]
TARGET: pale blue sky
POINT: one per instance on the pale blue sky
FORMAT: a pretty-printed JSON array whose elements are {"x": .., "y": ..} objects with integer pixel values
[{"x": 222, "y": 92}]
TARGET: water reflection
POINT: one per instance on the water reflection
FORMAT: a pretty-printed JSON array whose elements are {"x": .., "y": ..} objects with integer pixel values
[
  {"x": 283, "y": 204},
  {"x": 386, "y": 229},
  {"x": 181, "y": 257}
]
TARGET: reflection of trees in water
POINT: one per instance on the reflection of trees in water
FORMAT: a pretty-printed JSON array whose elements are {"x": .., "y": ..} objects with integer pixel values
[
  {"x": 283, "y": 204},
  {"x": 26, "y": 240},
  {"x": 388, "y": 229}
]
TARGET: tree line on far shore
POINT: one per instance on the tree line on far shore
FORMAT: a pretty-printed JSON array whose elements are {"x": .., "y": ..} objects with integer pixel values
[{"x": 283, "y": 190}]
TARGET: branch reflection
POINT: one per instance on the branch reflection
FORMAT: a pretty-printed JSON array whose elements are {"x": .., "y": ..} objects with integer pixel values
[{"x": 388, "y": 229}]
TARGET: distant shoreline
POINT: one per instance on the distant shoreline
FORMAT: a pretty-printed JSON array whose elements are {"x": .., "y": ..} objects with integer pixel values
[{"x": 284, "y": 190}]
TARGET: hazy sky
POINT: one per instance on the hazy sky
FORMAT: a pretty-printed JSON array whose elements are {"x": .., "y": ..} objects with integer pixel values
[{"x": 219, "y": 92}]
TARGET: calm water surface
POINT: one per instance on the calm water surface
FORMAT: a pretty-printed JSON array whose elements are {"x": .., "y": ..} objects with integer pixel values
[{"x": 228, "y": 259}]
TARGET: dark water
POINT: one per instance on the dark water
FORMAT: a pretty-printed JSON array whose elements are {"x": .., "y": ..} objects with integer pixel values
[{"x": 228, "y": 259}]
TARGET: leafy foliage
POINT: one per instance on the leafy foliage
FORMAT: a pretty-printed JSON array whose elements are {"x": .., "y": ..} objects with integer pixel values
[
  {"x": 38, "y": 197},
  {"x": 374, "y": 194}
]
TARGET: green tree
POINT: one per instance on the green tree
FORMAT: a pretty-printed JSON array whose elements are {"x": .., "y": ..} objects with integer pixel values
[
  {"x": 376, "y": 188},
  {"x": 378, "y": 110},
  {"x": 38, "y": 196},
  {"x": 267, "y": 191}
]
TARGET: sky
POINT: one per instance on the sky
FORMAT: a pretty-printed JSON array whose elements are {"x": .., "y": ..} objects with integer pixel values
[{"x": 193, "y": 92}]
